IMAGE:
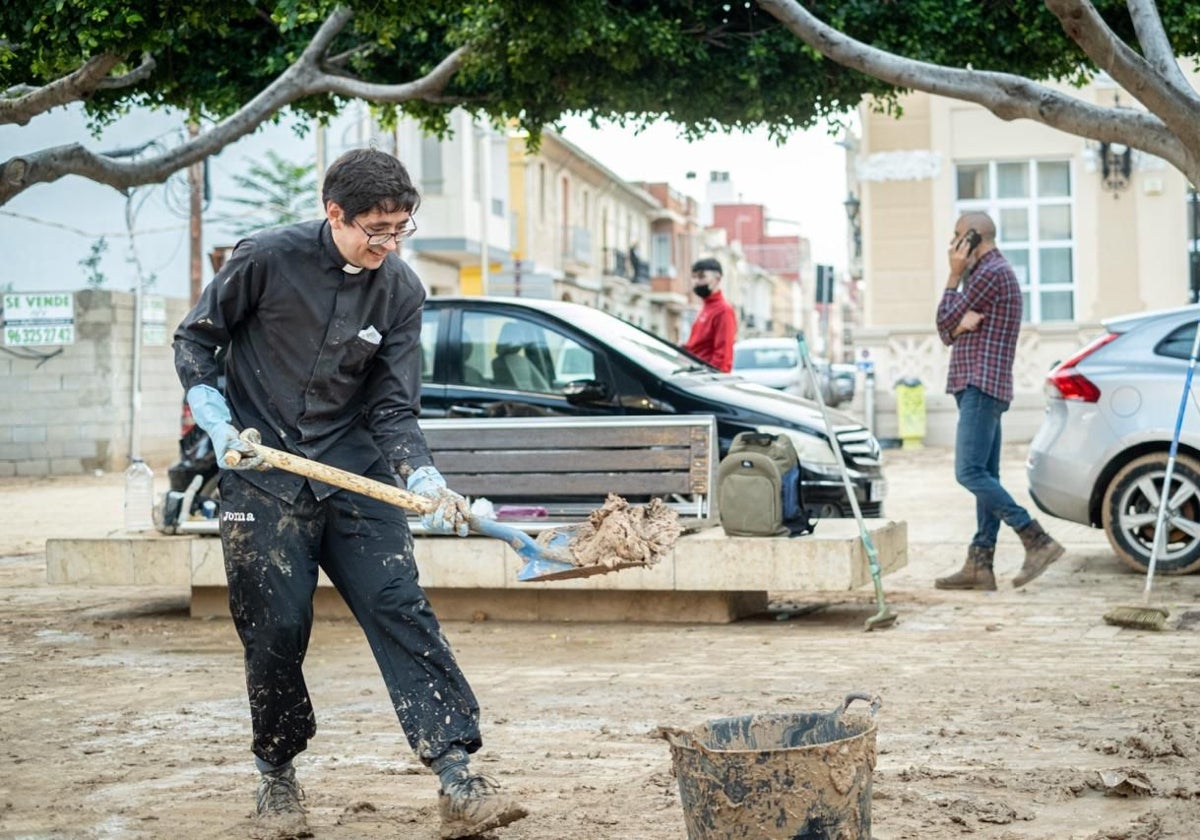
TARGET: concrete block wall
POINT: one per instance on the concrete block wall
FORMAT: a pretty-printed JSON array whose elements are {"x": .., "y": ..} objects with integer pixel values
[{"x": 72, "y": 412}]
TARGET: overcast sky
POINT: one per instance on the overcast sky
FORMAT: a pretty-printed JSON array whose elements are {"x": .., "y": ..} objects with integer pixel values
[
  {"x": 802, "y": 181},
  {"x": 47, "y": 230}
]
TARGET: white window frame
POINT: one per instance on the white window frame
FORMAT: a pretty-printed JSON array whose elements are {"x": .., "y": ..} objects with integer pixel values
[
  {"x": 661, "y": 264},
  {"x": 1032, "y": 287},
  {"x": 433, "y": 180}
]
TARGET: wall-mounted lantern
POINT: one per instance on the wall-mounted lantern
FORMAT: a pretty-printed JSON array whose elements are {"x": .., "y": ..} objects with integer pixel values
[{"x": 1116, "y": 164}]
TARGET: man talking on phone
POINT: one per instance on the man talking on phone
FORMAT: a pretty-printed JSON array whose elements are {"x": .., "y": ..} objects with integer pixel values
[{"x": 979, "y": 318}]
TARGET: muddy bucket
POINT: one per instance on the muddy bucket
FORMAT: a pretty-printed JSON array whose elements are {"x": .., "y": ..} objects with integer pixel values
[{"x": 804, "y": 776}]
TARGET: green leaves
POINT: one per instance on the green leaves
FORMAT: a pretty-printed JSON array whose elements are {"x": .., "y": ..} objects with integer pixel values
[{"x": 706, "y": 65}]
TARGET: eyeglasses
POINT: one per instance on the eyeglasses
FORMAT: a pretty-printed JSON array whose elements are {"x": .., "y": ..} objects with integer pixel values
[{"x": 377, "y": 239}]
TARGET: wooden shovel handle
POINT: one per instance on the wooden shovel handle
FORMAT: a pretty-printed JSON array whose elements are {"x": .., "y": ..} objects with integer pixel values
[{"x": 389, "y": 493}]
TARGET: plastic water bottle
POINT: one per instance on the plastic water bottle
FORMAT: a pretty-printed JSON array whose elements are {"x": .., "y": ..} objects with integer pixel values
[{"x": 139, "y": 496}]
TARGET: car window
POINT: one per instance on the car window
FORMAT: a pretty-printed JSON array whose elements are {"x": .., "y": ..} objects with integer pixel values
[
  {"x": 476, "y": 344},
  {"x": 503, "y": 351},
  {"x": 572, "y": 361},
  {"x": 429, "y": 330},
  {"x": 764, "y": 358},
  {"x": 1178, "y": 344}
]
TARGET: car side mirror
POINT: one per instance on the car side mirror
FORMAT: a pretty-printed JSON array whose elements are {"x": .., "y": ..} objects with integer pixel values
[{"x": 584, "y": 391}]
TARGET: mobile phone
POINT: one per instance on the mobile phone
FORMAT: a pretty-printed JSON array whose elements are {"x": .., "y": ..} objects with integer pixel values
[{"x": 973, "y": 239}]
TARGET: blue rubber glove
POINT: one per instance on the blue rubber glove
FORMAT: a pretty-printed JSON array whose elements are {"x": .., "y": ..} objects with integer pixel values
[
  {"x": 211, "y": 413},
  {"x": 451, "y": 515}
]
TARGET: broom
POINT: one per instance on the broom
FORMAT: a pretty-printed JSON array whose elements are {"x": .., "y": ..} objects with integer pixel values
[{"x": 1144, "y": 616}]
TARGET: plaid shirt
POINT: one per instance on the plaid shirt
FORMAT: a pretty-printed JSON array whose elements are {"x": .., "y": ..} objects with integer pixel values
[{"x": 984, "y": 357}]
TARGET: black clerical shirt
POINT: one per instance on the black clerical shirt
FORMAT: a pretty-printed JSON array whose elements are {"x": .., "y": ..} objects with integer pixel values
[{"x": 325, "y": 363}]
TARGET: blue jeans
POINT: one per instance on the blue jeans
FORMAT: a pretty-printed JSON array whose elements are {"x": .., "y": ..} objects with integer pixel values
[{"x": 977, "y": 465}]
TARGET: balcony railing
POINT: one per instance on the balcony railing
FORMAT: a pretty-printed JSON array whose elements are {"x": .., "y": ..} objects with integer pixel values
[
  {"x": 620, "y": 263},
  {"x": 616, "y": 263}
]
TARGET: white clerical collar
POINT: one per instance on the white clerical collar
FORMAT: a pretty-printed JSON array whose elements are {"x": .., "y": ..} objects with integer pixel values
[{"x": 350, "y": 268}]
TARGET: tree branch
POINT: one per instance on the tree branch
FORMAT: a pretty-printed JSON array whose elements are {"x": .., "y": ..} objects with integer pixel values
[
  {"x": 1155, "y": 44},
  {"x": 341, "y": 58},
  {"x": 138, "y": 74},
  {"x": 1176, "y": 106},
  {"x": 1007, "y": 96},
  {"x": 302, "y": 79},
  {"x": 70, "y": 88},
  {"x": 427, "y": 87}
]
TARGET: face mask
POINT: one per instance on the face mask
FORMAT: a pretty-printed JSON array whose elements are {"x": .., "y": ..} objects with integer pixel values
[{"x": 702, "y": 290}]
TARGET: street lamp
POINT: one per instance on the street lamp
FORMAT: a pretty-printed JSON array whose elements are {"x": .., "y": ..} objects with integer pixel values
[{"x": 852, "y": 205}]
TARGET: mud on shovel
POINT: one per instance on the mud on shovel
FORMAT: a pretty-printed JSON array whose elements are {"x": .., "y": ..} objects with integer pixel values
[{"x": 549, "y": 558}]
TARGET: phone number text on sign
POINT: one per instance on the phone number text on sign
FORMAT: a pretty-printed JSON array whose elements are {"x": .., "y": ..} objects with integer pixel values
[{"x": 39, "y": 336}]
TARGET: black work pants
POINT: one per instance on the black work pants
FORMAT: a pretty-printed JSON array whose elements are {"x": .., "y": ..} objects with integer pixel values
[{"x": 272, "y": 552}]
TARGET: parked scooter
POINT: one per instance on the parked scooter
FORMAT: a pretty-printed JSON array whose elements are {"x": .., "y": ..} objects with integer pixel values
[{"x": 191, "y": 505}]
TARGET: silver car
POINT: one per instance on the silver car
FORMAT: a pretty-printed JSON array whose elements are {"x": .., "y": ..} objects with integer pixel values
[
  {"x": 1100, "y": 455},
  {"x": 775, "y": 362}
]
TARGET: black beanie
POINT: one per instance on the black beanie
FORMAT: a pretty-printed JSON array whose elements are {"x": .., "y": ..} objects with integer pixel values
[{"x": 707, "y": 264}]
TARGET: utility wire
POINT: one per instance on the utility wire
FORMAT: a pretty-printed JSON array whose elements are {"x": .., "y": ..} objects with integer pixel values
[
  {"x": 86, "y": 234},
  {"x": 28, "y": 353}
]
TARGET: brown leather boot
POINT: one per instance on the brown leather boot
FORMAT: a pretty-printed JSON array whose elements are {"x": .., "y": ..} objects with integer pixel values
[
  {"x": 976, "y": 572},
  {"x": 1041, "y": 550}
]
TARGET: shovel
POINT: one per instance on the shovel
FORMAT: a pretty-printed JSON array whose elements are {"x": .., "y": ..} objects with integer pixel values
[{"x": 549, "y": 558}]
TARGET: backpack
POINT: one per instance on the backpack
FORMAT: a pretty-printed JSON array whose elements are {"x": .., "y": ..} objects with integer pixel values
[{"x": 758, "y": 488}]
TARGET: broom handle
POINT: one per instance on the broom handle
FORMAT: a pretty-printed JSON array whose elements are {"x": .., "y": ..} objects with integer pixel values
[{"x": 1166, "y": 489}]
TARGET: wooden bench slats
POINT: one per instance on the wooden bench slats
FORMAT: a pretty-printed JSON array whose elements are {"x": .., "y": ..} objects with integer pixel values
[
  {"x": 445, "y": 440},
  {"x": 567, "y": 466},
  {"x": 565, "y": 460},
  {"x": 533, "y": 485}
]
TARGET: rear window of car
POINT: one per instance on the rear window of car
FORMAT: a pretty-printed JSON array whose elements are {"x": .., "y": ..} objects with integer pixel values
[
  {"x": 1178, "y": 344},
  {"x": 764, "y": 358}
]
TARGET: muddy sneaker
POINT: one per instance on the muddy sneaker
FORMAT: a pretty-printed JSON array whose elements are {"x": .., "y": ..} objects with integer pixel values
[
  {"x": 976, "y": 572},
  {"x": 278, "y": 812},
  {"x": 471, "y": 805},
  {"x": 1041, "y": 550}
]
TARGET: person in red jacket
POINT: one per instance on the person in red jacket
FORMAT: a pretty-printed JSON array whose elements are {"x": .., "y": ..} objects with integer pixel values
[{"x": 715, "y": 327}]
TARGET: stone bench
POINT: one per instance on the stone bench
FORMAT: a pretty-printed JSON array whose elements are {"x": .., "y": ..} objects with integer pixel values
[{"x": 709, "y": 577}]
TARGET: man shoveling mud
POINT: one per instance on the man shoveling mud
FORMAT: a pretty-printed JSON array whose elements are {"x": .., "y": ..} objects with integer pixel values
[{"x": 322, "y": 324}]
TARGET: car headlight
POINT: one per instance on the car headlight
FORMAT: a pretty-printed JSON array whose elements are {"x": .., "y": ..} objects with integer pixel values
[{"x": 814, "y": 452}]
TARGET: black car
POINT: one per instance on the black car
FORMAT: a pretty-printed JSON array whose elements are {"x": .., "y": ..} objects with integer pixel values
[
  {"x": 486, "y": 357},
  {"x": 504, "y": 357}
]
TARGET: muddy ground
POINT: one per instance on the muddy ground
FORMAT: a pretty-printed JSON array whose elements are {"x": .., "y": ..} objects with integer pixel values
[{"x": 121, "y": 717}]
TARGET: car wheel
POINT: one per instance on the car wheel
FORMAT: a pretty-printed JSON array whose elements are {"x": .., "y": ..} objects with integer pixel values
[{"x": 1130, "y": 511}]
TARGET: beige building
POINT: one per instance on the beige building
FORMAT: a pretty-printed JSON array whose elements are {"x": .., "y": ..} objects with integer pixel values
[
  {"x": 1084, "y": 248},
  {"x": 559, "y": 224},
  {"x": 579, "y": 224}
]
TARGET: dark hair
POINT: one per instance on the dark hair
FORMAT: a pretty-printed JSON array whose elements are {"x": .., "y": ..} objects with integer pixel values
[
  {"x": 707, "y": 264},
  {"x": 362, "y": 180}
]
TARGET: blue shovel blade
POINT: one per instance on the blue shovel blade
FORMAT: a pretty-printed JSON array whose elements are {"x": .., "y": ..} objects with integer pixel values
[{"x": 550, "y": 560}]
